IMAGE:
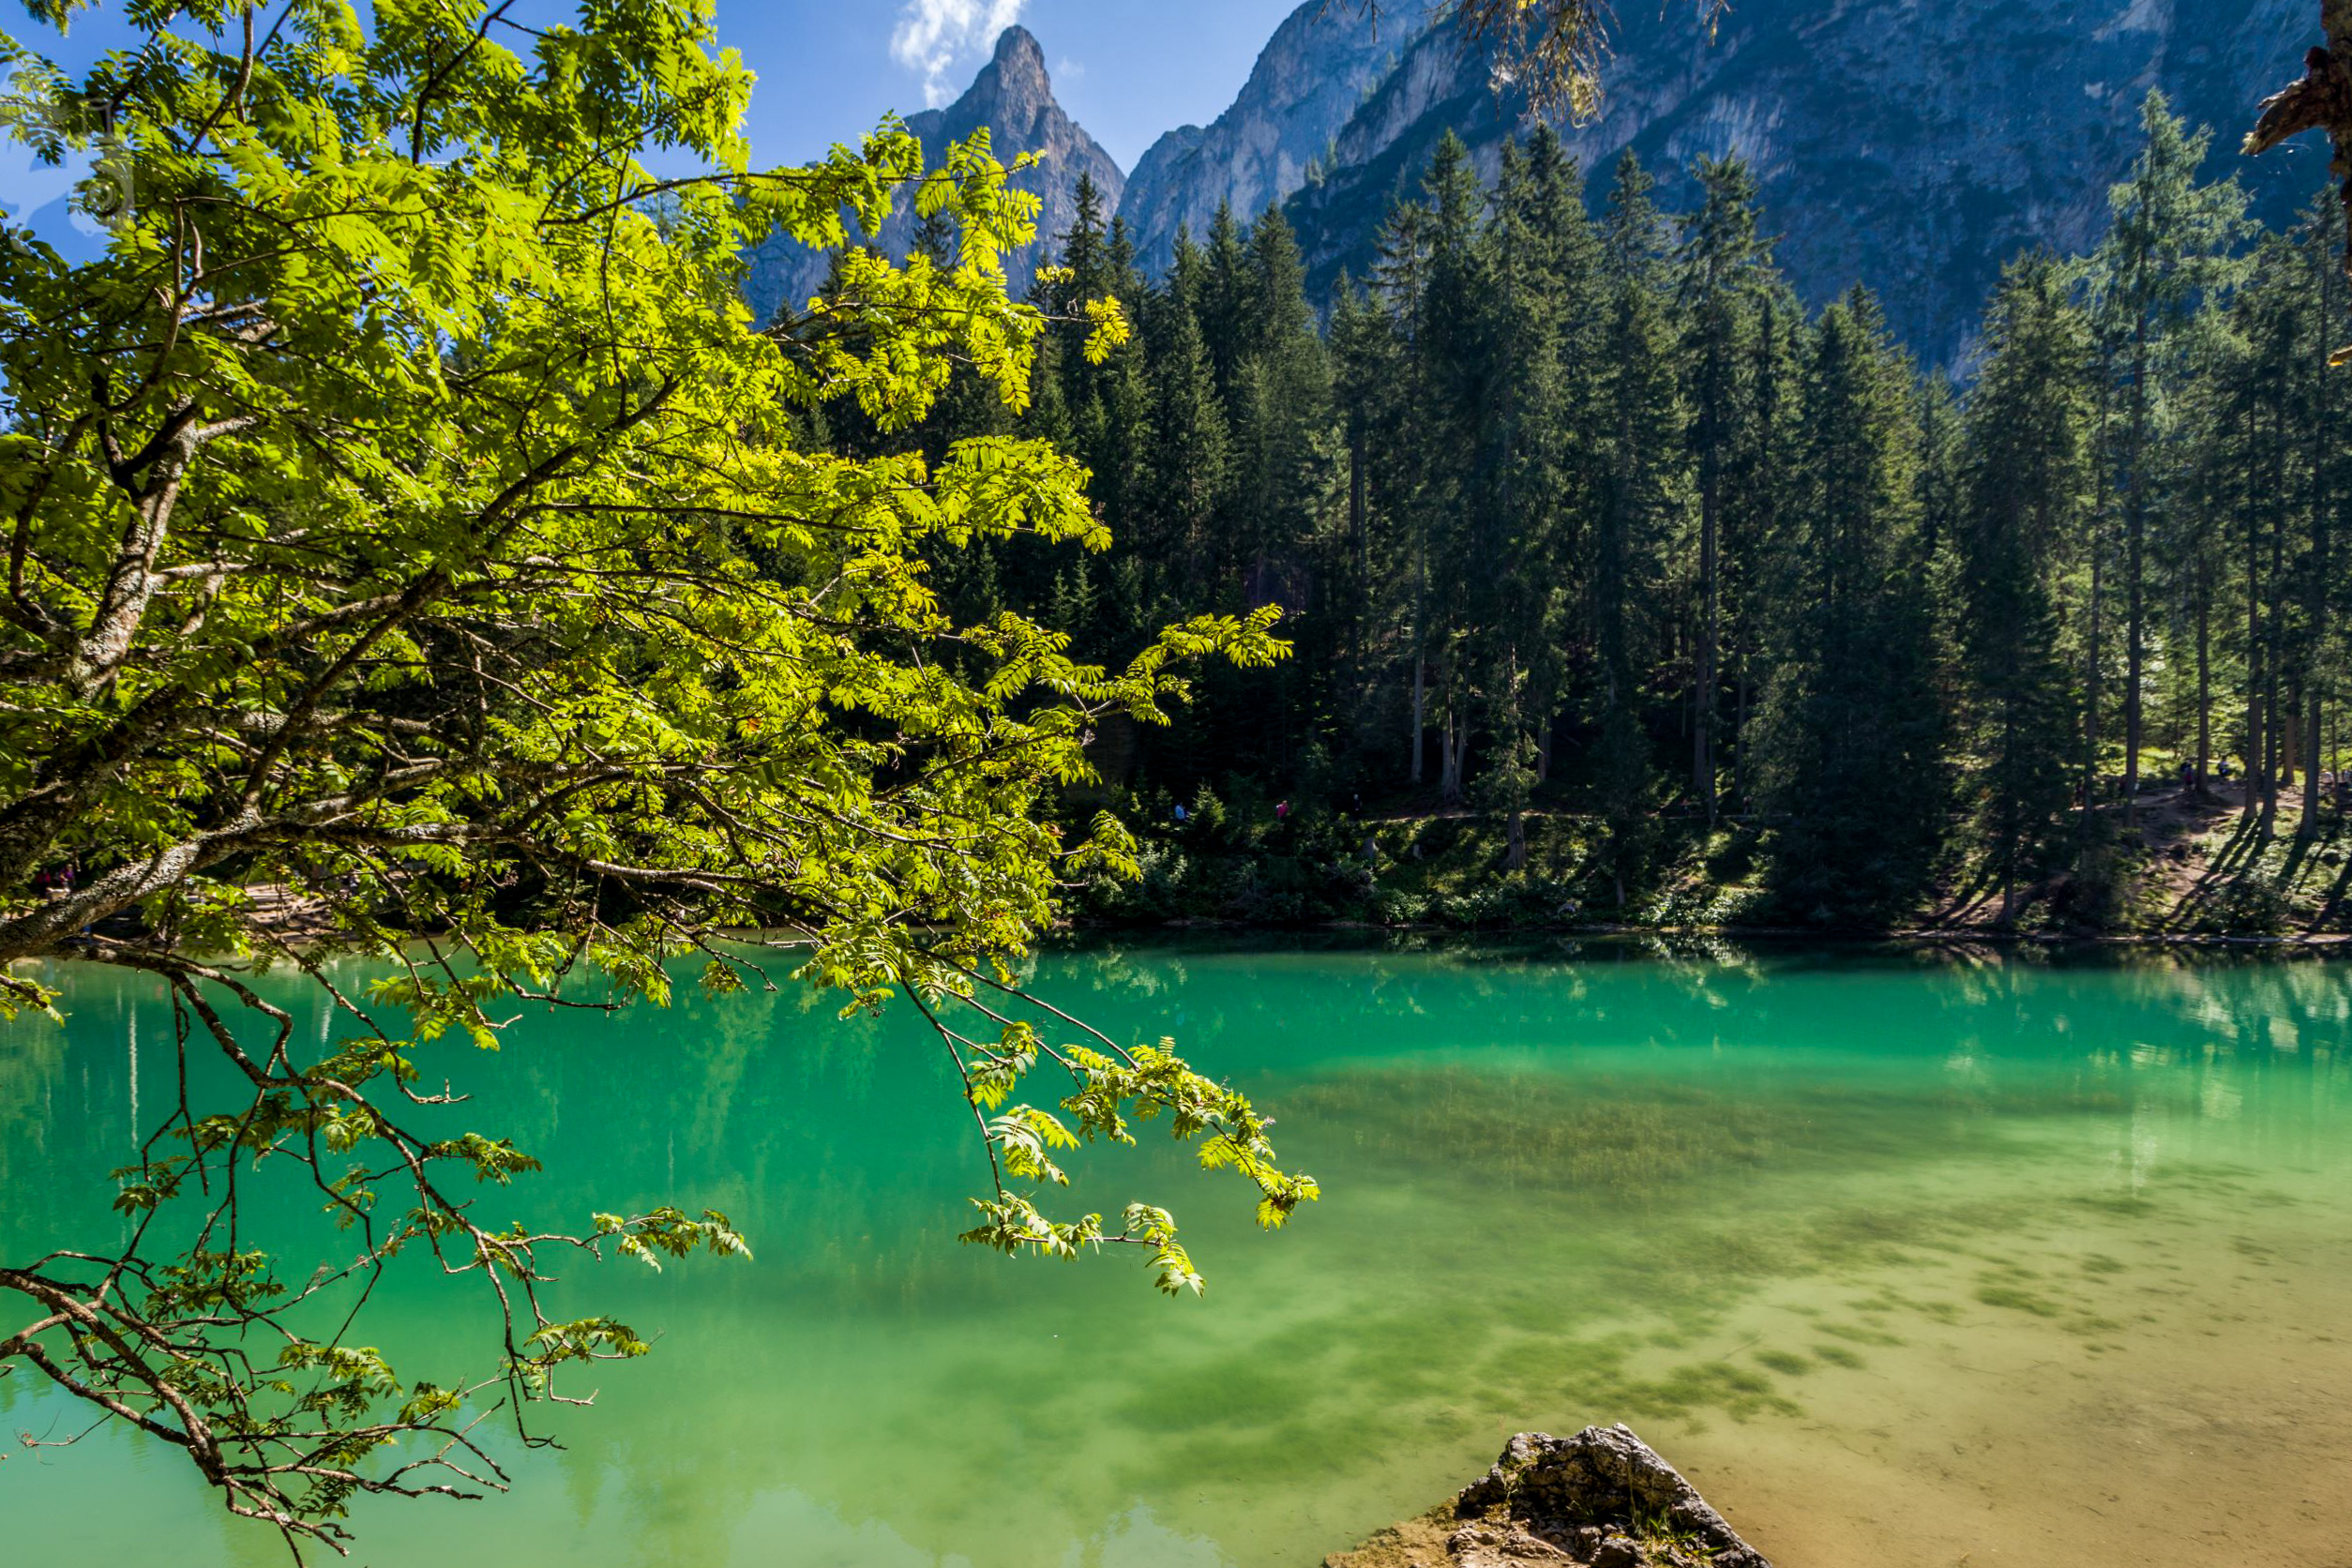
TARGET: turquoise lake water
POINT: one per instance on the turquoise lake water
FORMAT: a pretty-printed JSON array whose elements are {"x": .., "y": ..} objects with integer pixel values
[{"x": 1907, "y": 1259}]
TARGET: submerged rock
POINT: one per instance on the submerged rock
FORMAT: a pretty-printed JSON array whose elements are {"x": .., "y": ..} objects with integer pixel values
[{"x": 1603, "y": 1499}]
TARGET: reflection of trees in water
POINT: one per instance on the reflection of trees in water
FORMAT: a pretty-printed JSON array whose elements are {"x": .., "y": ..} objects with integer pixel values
[
  {"x": 32, "y": 1066},
  {"x": 66, "y": 1102}
]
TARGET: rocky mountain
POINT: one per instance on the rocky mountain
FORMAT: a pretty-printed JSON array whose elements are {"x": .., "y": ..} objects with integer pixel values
[
  {"x": 1910, "y": 144},
  {"x": 1913, "y": 146},
  {"x": 1312, "y": 76},
  {"x": 1013, "y": 96}
]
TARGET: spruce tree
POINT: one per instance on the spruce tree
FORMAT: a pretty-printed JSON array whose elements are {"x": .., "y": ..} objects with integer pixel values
[
  {"x": 1721, "y": 260},
  {"x": 1639, "y": 494},
  {"x": 2027, "y": 488},
  {"x": 1856, "y": 776},
  {"x": 1574, "y": 421},
  {"x": 1186, "y": 466},
  {"x": 1451, "y": 381},
  {"x": 1224, "y": 289},
  {"x": 2170, "y": 244}
]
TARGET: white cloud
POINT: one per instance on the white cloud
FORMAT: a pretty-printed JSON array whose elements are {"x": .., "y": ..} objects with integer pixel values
[{"x": 934, "y": 34}]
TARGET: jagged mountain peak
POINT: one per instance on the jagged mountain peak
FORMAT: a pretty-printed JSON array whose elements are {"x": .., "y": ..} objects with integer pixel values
[
  {"x": 1012, "y": 98},
  {"x": 1018, "y": 49},
  {"x": 1015, "y": 81}
]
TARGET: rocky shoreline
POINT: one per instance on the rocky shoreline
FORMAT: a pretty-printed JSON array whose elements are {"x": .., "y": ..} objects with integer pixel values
[{"x": 1603, "y": 1499}]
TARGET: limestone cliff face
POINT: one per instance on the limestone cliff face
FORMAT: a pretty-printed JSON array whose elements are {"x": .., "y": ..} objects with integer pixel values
[
  {"x": 1311, "y": 77},
  {"x": 1013, "y": 96},
  {"x": 1910, "y": 144},
  {"x": 1913, "y": 146}
]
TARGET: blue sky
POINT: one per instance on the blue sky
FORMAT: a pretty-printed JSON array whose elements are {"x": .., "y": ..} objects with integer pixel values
[{"x": 1126, "y": 70}]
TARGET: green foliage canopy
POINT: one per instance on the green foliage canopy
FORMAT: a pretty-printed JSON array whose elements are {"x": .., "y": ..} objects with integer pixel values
[{"x": 407, "y": 525}]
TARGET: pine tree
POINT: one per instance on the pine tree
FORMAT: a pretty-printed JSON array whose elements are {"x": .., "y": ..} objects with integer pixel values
[
  {"x": 1400, "y": 280},
  {"x": 1278, "y": 400},
  {"x": 1562, "y": 229},
  {"x": 1519, "y": 517},
  {"x": 2027, "y": 490},
  {"x": 1367, "y": 368},
  {"x": 1857, "y": 765},
  {"x": 1186, "y": 468},
  {"x": 2169, "y": 246},
  {"x": 1552, "y": 306},
  {"x": 1223, "y": 290},
  {"x": 1722, "y": 260},
  {"x": 1640, "y": 491},
  {"x": 1452, "y": 382}
]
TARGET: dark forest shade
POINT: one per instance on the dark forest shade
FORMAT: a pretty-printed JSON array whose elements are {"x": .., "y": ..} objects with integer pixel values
[{"x": 1574, "y": 508}]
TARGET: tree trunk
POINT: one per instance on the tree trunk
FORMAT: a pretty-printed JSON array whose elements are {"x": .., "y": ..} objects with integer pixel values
[
  {"x": 1703, "y": 731},
  {"x": 2255, "y": 738},
  {"x": 2135, "y": 585},
  {"x": 2090, "y": 705},
  {"x": 2204, "y": 691},
  {"x": 1421, "y": 712},
  {"x": 1739, "y": 785},
  {"x": 1450, "y": 736},
  {"x": 2316, "y": 606},
  {"x": 1420, "y": 658},
  {"x": 2278, "y": 713},
  {"x": 1359, "y": 544},
  {"x": 2009, "y": 816}
]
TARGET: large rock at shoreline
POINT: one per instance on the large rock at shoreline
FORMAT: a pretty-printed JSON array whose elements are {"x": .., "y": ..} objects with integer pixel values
[{"x": 1603, "y": 1499}]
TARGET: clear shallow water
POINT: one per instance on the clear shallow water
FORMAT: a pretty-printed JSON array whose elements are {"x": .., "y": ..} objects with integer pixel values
[{"x": 1907, "y": 1260}]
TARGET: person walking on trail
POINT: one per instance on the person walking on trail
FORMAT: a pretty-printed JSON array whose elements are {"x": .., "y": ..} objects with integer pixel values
[{"x": 1282, "y": 812}]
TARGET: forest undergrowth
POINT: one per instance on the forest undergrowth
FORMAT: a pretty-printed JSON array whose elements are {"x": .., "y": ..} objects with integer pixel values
[{"x": 2187, "y": 864}]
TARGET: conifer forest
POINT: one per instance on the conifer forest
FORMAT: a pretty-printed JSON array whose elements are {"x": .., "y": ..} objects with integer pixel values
[{"x": 1589, "y": 535}]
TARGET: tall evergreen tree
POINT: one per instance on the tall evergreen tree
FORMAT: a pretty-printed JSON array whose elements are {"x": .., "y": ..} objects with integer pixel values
[
  {"x": 1722, "y": 260},
  {"x": 2169, "y": 245},
  {"x": 1451, "y": 352},
  {"x": 1640, "y": 491},
  {"x": 2027, "y": 488},
  {"x": 1857, "y": 775}
]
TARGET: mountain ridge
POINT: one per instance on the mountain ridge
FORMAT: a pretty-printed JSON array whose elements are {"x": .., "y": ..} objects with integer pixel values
[
  {"x": 1913, "y": 149},
  {"x": 1268, "y": 144},
  {"x": 1878, "y": 162}
]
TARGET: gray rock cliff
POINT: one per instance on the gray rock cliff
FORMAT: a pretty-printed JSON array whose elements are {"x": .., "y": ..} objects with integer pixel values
[
  {"x": 1012, "y": 97},
  {"x": 1312, "y": 76},
  {"x": 1914, "y": 145}
]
